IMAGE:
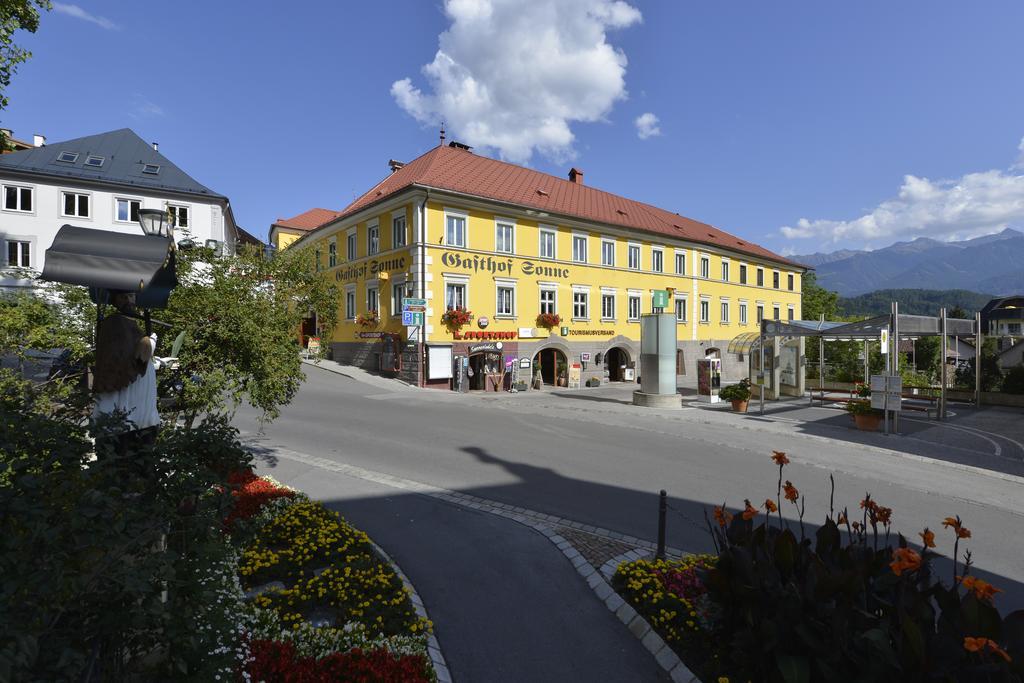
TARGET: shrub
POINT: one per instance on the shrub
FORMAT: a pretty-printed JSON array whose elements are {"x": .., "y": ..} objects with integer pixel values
[
  {"x": 861, "y": 407},
  {"x": 1013, "y": 382},
  {"x": 736, "y": 392}
]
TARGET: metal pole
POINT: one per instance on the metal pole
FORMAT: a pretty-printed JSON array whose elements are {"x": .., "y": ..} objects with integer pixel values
[
  {"x": 977, "y": 359},
  {"x": 896, "y": 361},
  {"x": 761, "y": 346},
  {"x": 945, "y": 372},
  {"x": 821, "y": 368},
  {"x": 662, "y": 509}
]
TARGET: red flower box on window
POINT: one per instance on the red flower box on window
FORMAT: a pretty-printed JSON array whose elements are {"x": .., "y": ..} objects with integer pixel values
[
  {"x": 368, "y": 320},
  {"x": 549, "y": 321},
  {"x": 455, "y": 318}
]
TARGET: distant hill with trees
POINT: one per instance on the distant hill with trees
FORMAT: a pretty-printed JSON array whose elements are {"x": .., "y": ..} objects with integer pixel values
[{"x": 914, "y": 302}]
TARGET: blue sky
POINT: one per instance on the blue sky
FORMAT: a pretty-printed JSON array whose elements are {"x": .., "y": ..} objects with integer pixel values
[{"x": 803, "y": 126}]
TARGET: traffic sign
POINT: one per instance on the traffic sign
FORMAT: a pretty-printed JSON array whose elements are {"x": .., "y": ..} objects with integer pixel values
[
  {"x": 408, "y": 301},
  {"x": 659, "y": 298},
  {"x": 410, "y": 318}
]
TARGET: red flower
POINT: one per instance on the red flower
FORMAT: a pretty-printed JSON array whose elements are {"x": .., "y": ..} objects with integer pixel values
[
  {"x": 278, "y": 662},
  {"x": 250, "y": 493},
  {"x": 749, "y": 512}
]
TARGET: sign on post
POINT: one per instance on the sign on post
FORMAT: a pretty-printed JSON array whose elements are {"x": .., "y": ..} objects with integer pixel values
[
  {"x": 887, "y": 392},
  {"x": 410, "y": 318},
  {"x": 659, "y": 298},
  {"x": 884, "y": 338}
]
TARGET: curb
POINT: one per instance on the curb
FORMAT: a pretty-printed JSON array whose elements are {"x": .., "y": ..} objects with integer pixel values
[
  {"x": 546, "y": 525},
  {"x": 433, "y": 646},
  {"x": 367, "y": 378}
]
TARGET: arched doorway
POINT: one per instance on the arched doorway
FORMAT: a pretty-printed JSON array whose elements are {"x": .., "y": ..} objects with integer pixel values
[
  {"x": 713, "y": 352},
  {"x": 617, "y": 360},
  {"x": 552, "y": 365}
]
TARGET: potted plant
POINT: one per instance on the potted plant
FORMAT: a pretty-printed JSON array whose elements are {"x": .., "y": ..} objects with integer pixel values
[
  {"x": 549, "y": 321},
  {"x": 369, "y": 320},
  {"x": 866, "y": 417},
  {"x": 563, "y": 374},
  {"x": 455, "y": 318},
  {"x": 737, "y": 394}
]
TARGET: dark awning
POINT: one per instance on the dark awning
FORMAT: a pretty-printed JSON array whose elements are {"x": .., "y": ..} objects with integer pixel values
[{"x": 105, "y": 260}]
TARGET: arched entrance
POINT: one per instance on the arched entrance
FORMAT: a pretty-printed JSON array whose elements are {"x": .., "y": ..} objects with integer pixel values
[
  {"x": 713, "y": 352},
  {"x": 617, "y": 360},
  {"x": 552, "y": 364}
]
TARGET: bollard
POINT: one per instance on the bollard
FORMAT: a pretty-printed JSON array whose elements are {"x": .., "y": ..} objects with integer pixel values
[{"x": 662, "y": 509}]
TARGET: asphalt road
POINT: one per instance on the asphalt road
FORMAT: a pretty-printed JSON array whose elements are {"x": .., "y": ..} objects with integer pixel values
[{"x": 589, "y": 457}]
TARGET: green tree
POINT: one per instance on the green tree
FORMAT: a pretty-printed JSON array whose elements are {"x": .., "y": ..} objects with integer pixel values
[
  {"x": 241, "y": 316},
  {"x": 15, "y": 15},
  {"x": 991, "y": 375},
  {"x": 817, "y": 301}
]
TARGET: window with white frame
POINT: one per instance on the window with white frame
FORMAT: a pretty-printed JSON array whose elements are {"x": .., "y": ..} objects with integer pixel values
[
  {"x": 789, "y": 281},
  {"x": 316, "y": 257},
  {"x": 454, "y": 294},
  {"x": 372, "y": 239},
  {"x": 506, "y": 303},
  {"x": 743, "y": 313},
  {"x": 657, "y": 260},
  {"x": 332, "y": 253},
  {"x": 350, "y": 304},
  {"x": 607, "y": 252},
  {"x": 775, "y": 313},
  {"x": 398, "y": 232},
  {"x": 634, "y": 307},
  {"x": 607, "y": 306},
  {"x": 705, "y": 267},
  {"x": 725, "y": 310},
  {"x": 790, "y": 312},
  {"x": 580, "y": 304},
  {"x": 350, "y": 245},
  {"x": 760, "y": 313},
  {"x": 680, "y": 263},
  {"x": 372, "y": 298},
  {"x": 548, "y": 302},
  {"x": 743, "y": 273},
  {"x": 17, "y": 198},
  {"x": 705, "y": 310},
  {"x": 634, "y": 257},
  {"x": 760, "y": 277},
  {"x": 504, "y": 235},
  {"x": 178, "y": 215},
  {"x": 19, "y": 253},
  {"x": 128, "y": 210},
  {"x": 397, "y": 294},
  {"x": 775, "y": 279},
  {"x": 681, "y": 310},
  {"x": 75, "y": 204},
  {"x": 725, "y": 270},
  {"x": 547, "y": 243},
  {"x": 455, "y": 230},
  {"x": 579, "y": 248}
]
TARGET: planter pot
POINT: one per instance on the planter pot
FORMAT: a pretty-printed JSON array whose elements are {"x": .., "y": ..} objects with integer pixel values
[
  {"x": 867, "y": 423},
  {"x": 739, "y": 406}
]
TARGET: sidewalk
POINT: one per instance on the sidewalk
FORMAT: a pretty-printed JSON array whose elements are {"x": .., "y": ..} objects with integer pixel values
[
  {"x": 360, "y": 375},
  {"x": 506, "y": 604}
]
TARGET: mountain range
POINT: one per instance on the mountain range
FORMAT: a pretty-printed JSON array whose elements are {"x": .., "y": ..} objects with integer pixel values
[{"x": 993, "y": 263}]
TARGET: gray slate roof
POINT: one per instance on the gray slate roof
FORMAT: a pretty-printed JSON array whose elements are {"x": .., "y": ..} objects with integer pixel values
[{"x": 125, "y": 155}]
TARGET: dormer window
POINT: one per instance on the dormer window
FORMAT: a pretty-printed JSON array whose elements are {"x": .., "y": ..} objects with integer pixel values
[
  {"x": 68, "y": 157},
  {"x": 151, "y": 169},
  {"x": 94, "y": 161}
]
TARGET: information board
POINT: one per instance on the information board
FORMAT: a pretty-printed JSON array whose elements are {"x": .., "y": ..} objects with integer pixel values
[
  {"x": 574, "y": 376},
  {"x": 887, "y": 392}
]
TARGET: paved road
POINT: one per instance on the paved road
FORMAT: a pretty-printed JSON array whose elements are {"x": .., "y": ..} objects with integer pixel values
[{"x": 587, "y": 456}]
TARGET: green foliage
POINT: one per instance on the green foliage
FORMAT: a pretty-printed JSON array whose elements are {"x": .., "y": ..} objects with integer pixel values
[
  {"x": 831, "y": 607},
  {"x": 816, "y": 301},
  {"x": 88, "y": 547},
  {"x": 915, "y": 302},
  {"x": 1013, "y": 381},
  {"x": 991, "y": 374},
  {"x": 736, "y": 392},
  {"x": 861, "y": 407},
  {"x": 241, "y": 317},
  {"x": 15, "y": 15}
]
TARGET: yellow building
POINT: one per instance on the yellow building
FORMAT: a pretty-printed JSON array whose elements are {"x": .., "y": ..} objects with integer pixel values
[{"x": 508, "y": 244}]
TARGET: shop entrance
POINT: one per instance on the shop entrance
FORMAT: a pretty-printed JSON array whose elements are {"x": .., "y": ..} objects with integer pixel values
[
  {"x": 552, "y": 366},
  {"x": 617, "y": 360},
  {"x": 478, "y": 368}
]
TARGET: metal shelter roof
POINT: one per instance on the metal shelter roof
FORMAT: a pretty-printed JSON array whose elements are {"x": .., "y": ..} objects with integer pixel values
[
  {"x": 909, "y": 326},
  {"x": 113, "y": 261}
]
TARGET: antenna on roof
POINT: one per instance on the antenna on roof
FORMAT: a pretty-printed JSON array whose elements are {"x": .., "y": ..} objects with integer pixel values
[{"x": 442, "y": 133}]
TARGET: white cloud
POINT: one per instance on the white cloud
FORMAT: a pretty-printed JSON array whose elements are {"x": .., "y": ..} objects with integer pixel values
[
  {"x": 142, "y": 106},
  {"x": 972, "y": 205},
  {"x": 512, "y": 75},
  {"x": 647, "y": 126},
  {"x": 79, "y": 13},
  {"x": 1020, "y": 157}
]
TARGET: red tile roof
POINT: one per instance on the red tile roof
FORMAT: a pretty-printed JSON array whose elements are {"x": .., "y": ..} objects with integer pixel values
[
  {"x": 306, "y": 221},
  {"x": 458, "y": 170}
]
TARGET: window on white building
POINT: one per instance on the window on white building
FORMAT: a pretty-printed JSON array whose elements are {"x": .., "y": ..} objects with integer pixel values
[
  {"x": 455, "y": 231},
  {"x": 17, "y": 198},
  {"x": 579, "y": 248},
  {"x": 178, "y": 216},
  {"x": 503, "y": 238},
  {"x": 128, "y": 210},
  {"x": 547, "y": 301},
  {"x": 19, "y": 254},
  {"x": 75, "y": 204},
  {"x": 547, "y": 243},
  {"x": 580, "y": 305}
]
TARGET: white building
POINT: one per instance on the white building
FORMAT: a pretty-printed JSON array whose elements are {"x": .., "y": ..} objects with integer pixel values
[{"x": 99, "y": 181}]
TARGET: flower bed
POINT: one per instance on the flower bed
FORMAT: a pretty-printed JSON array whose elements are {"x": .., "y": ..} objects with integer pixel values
[
  {"x": 847, "y": 601},
  {"x": 323, "y": 605}
]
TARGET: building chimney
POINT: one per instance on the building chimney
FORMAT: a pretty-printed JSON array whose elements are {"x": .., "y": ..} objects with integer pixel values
[
  {"x": 38, "y": 140},
  {"x": 394, "y": 164},
  {"x": 156, "y": 146},
  {"x": 575, "y": 176}
]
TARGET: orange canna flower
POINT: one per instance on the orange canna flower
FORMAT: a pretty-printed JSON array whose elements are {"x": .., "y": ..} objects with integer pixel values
[
  {"x": 722, "y": 516},
  {"x": 856, "y": 526},
  {"x": 951, "y": 522},
  {"x": 983, "y": 590},
  {"x": 974, "y": 644},
  {"x": 905, "y": 559},
  {"x": 928, "y": 537},
  {"x": 780, "y": 458},
  {"x": 868, "y": 504},
  {"x": 791, "y": 493},
  {"x": 842, "y": 519},
  {"x": 770, "y": 505},
  {"x": 963, "y": 532},
  {"x": 883, "y": 514},
  {"x": 749, "y": 512}
]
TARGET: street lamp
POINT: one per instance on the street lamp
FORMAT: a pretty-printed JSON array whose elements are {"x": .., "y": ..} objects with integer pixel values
[{"x": 154, "y": 222}]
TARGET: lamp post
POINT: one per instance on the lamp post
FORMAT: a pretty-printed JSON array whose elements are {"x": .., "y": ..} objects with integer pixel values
[{"x": 154, "y": 223}]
